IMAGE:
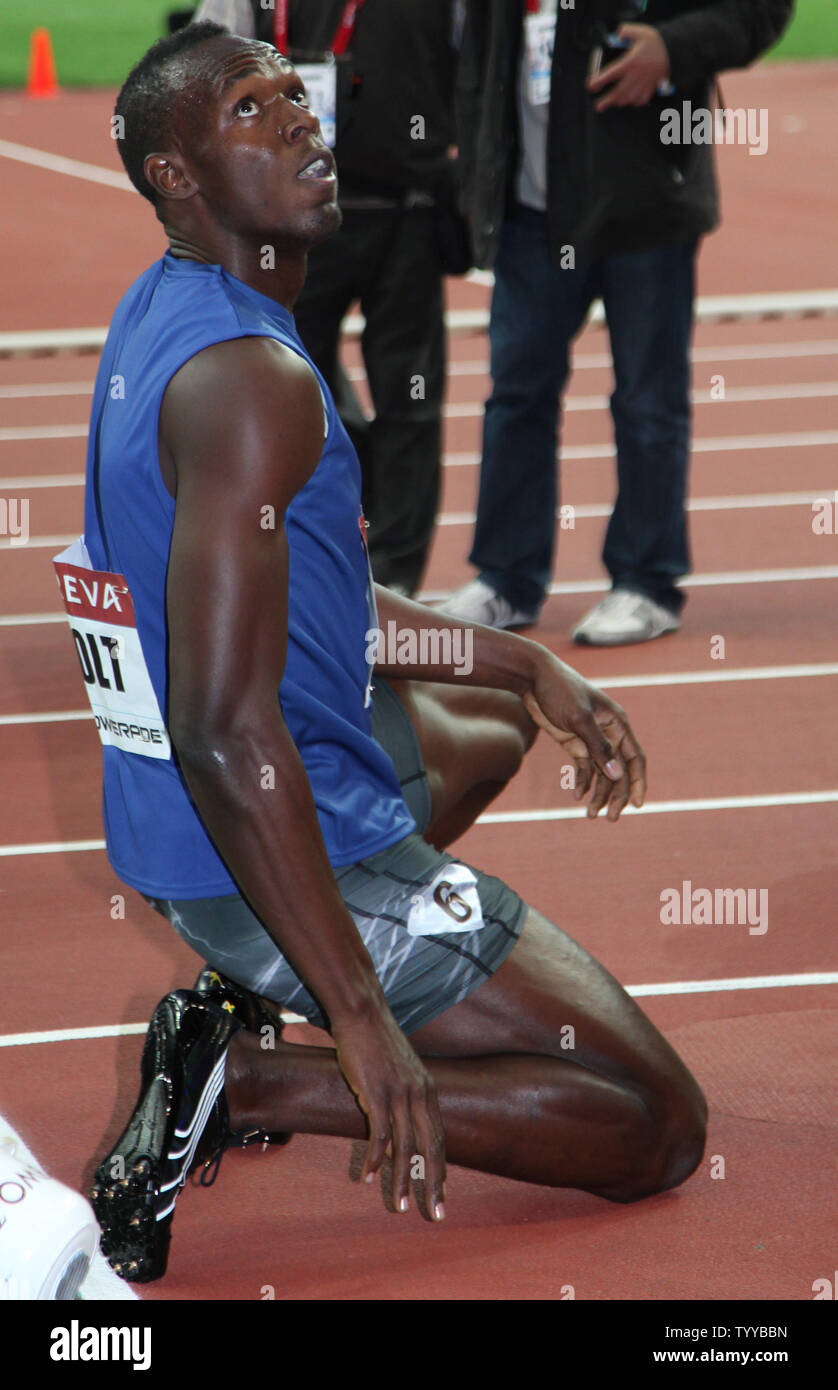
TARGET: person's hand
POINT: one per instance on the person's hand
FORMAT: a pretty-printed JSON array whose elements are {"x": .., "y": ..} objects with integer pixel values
[
  {"x": 633, "y": 79},
  {"x": 398, "y": 1097},
  {"x": 594, "y": 731}
]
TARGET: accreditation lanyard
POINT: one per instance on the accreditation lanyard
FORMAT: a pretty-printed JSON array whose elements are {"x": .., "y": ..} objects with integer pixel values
[
  {"x": 343, "y": 33},
  {"x": 539, "y": 39}
]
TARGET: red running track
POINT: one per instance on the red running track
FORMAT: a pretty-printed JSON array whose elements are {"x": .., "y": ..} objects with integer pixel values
[{"x": 296, "y": 1220}]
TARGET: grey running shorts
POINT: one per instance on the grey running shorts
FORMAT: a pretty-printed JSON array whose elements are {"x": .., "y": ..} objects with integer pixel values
[{"x": 403, "y": 901}]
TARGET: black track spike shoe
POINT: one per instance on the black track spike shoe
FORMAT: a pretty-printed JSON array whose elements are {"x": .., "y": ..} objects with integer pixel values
[
  {"x": 137, "y": 1185},
  {"x": 256, "y": 1018}
]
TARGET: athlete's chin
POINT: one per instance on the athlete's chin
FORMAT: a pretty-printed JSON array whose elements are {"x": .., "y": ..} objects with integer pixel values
[{"x": 321, "y": 223}]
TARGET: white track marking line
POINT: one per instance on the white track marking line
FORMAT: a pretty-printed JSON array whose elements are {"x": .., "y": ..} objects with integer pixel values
[
  {"x": 39, "y": 542},
  {"x": 594, "y": 361},
  {"x": 31, "y": 619},
  {"x": 463, "y": 410},
  {"x": 819, "y": 977},
  {"x": 723, "y": 444},
  {"x": 799, "y": 391},
  {"x": 583, "y": 511},
  {"x": 753, "y": 673},
  {"x": 663, "y": 678},
  {"x": 694, "y": 581},
  {"x": 16, "y": 434},
  {"x": 745, "y": 982},
  {"x": 29, "y": 390},
  {"x": 38, "y": 480},
  {"x": 586, "y": 511},
  {"x": 58, "y": 164},
  {"x": 64, "y": 716},
  {"x": 584, "y": 361},
  {"x": 53, "y": 847},
  {"x": 807, "y": 574},
  {"x": 666, "y": 808}
]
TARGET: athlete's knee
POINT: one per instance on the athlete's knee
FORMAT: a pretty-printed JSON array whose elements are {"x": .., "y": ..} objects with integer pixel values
[
  {"x": 671, "y": 1144},
  {"x": 522, "y": 732}
]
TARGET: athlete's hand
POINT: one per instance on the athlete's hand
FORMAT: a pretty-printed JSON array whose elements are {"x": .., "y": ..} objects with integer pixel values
[
  {"x": 633, "y": 79},
  {"x": 594, "y": 731},
  {"x": 398, "y": 1097}
]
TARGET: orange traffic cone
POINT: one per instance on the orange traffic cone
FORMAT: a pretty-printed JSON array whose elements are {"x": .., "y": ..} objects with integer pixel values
[{"x": 41, "y": 80}]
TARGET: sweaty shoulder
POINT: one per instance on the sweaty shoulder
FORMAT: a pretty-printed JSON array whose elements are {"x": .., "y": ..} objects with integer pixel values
[{"x": 252, "y": 404}]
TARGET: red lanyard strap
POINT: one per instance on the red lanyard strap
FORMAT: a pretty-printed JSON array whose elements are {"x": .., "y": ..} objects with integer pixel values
[{"x": 343, "y": 33}]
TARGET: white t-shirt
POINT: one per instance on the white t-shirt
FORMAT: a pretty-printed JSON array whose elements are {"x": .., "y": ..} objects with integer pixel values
[{"x": 533, "y": 108}]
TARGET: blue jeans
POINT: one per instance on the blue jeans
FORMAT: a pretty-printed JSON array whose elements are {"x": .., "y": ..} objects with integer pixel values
[{"x": 537, "y": 311}]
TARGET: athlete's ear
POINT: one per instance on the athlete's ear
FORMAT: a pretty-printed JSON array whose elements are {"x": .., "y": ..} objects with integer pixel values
[{"x": 168, "y": 177}]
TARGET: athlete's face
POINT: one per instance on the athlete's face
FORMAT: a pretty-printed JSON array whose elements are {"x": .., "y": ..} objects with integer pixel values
[{"x": 254, "y": 147}]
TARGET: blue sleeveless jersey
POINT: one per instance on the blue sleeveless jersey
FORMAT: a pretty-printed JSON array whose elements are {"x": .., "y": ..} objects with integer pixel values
[{"x": 155, "y": 838}]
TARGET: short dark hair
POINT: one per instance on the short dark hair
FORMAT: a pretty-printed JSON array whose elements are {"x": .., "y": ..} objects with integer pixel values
[{"x": 147, "y": 99}]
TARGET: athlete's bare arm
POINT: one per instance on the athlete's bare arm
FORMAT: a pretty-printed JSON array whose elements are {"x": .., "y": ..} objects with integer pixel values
[
  {"x": 241, "y": 429},
  {"x": 590, "y": 727}
]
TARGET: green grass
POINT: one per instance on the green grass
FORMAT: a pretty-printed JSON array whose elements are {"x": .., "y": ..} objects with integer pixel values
[
  {"x": 813, "y": 32},
  {"x": 97, "y": 41}
]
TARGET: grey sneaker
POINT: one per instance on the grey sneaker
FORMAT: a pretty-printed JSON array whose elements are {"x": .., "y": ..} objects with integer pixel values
[
  {"x": 478, "y": 602},
  {"x": 624, "y": 616}
]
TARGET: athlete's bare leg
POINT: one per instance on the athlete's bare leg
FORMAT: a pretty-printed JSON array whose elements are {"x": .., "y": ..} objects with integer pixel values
[
  {"x": 473, "y": 742},
  {"x": 548, "y": 1072},
  {"x": 616, "y": 1114}
]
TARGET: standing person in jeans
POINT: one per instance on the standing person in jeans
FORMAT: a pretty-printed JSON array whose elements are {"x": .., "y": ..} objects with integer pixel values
[
  {"x": 572, "y": 196},
  {"x": 392, "y": 131}
]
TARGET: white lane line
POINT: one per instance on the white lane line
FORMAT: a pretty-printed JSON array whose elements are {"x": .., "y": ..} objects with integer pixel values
[
  {"x": 809, "y": 573},
  {"x": 57, "y": 164},
  {"x": 817, "y": 977},
  {"x": 582, "y": 510},
  {"x": 583, "y": 361},
  {"x": 594, "y": 361},
  {"x": 586, "y": 511},
  {"x": 665, "y": 808},
  {"x": 14, "y": 435},
  {"x": 723, "y": 444},
  {"x": 52, "y": 847},
  {"x": 752, "y": 673},
  {"x": 795, "y": 391},
  {"x": 466, "y": 410},
  {"x": 30, "y": 619},
  {"x": 62, "y": 716},
  {"x": 52, "y": 1035},
  {"x": 38, "y": 480},
  {"x": 668, "y": 808},
  {"x": 30, "y": 389},
  {"x": 800, "y": 439},
  {"x": 38, "y": 542},
  {"x": 744, "y": 982},
  {"x": 663, "y": 678}
]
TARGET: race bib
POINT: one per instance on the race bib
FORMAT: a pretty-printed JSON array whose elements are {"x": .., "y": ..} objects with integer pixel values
[
  {"x": 539, "y": 34},
  {"x": 101, "y": 615},
  {"x": 449, "y": 904},
  {"x": 320, "y": 81}
]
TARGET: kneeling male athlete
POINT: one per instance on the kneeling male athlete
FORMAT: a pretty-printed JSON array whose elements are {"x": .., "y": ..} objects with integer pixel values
[{"x": 297, "y": 842}]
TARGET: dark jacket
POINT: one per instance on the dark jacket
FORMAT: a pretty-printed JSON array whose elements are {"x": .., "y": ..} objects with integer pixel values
[
  {"x": 400, "y": 66},
  {"x": 612, "y": 185}
]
